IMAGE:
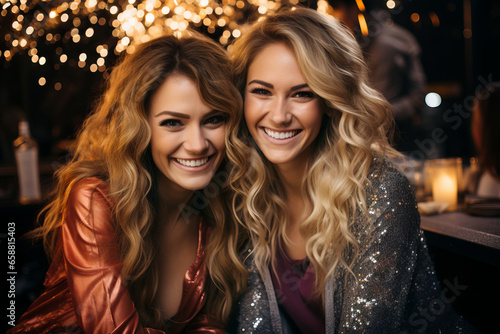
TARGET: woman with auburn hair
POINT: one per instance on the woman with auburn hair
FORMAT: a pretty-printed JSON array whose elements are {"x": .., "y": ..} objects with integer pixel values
[
  {"x": 135, "y": 236},
  {"x": 485, "y": 119},
  {"x": 334, "y": 230}
]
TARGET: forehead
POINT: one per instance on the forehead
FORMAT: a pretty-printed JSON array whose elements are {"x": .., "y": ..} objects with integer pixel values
[
  {"x": 177, "y": 93},
  {"x": 275, "y": 61}
]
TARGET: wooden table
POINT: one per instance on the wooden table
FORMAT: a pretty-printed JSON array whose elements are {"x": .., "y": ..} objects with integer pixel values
[
  {"x": 466, "y": 249},
  {"x": 480, "y": 230}
]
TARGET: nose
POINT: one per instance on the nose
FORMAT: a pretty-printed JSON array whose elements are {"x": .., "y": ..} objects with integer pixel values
[
  {"x": 196, "y": 141},
  {"x": 279, "y": 112}
]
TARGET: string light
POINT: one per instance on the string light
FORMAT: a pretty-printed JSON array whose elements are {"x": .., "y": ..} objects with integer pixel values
[
  {"x": 362, "y": 24},
  {"x": 75, "y": 25}
]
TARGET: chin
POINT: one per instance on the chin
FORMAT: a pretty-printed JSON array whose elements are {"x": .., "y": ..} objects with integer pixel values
[
  {"x": 196, "y": 185},
  {"x": 277, "y": 159},
  {"x": 193, "y": 187}
]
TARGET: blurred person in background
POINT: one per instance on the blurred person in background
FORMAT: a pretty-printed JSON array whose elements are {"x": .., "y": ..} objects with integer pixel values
[
  {"x": 393, "y": 57},
  {"x": 486, "y": 137}
]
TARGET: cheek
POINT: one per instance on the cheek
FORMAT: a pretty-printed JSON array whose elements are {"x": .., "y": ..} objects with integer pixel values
[
  {"x": 217, "y": 137},
  {"x": 313, "y": 117},
  {"x": 251, "y": 111},
  {"x": 154, "y": 145},
  {"x": 162, "y": 145},
  {"x": 155, "y": 154}
]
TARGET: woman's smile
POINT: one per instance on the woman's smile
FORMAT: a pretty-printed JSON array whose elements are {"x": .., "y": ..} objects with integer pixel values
[
  {"x": 281, "y": 134},
  {"x": 282, "y": 113}
]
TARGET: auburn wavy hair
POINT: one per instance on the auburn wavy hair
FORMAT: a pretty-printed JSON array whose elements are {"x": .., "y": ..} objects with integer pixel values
[
  {"x": 113, "y": 145},
  {"x": 357, "y": 127},
  {"x": 486, "y": 136}
]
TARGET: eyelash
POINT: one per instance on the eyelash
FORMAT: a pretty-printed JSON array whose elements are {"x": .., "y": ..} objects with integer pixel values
[
  {"x": 300, "y": 94},
  {"x": 212, "y": 120},
  {"x": 260, "y": 91},
  {"x": 171, "y": 123},
  {"x": 216, "y": 119},
  {"x": 304, "y": 94}
]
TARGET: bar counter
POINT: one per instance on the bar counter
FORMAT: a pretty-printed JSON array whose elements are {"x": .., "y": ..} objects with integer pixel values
[
  {"x": 478, "y": 230},
  {"x": 466, "y": 249}
]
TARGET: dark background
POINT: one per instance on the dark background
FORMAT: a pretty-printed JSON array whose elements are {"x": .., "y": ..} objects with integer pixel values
[{"x": 454, "y": 65}]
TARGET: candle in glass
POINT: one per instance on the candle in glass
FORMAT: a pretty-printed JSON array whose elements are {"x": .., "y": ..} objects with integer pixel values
[
  {"x": 444, "y": 189},
  {"x": 444, "y": 181}
]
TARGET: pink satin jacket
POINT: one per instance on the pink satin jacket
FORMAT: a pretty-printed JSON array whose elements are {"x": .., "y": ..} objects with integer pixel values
[{"x": 84, "y": 289}]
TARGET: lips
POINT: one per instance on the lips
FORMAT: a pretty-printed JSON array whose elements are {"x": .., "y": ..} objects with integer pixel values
[
  {"x": 192, "y": 162},
  {"x": 281, "y": 134}
]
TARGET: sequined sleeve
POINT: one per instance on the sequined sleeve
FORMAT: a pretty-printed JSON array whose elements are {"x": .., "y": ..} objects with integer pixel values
[
  {"x": 394, "y": 287},
  {"x": 256, "y": 311},
  {"x": 376, "y": 293},
  {"x": 100, "y": 298}
]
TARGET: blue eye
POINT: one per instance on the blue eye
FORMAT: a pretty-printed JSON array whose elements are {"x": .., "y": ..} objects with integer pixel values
[{"x": 171, "y": 123}]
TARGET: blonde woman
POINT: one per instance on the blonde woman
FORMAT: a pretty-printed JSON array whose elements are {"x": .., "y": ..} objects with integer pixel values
[
  {"x": 133, "y": 237},
  {"x": 334, "y": 227}
]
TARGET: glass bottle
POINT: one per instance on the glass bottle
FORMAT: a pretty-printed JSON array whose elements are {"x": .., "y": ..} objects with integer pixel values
[{"x": 26, "y": 152}]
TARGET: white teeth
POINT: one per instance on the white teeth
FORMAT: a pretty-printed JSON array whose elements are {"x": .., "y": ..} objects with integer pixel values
[
  {"x": 192, "y": 163},
  {"x": 281, "y": 135}
]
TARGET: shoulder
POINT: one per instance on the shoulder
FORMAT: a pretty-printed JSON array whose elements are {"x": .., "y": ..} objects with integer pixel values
[
  {"x": 488, "y": 186},
  {"x": 389, "y": 191},
  {"x": 89, "y": 199},
  {"x": 385, "y": 177},
  {"x": 392, "y": 216},
  {"x": 87, "y": 190}
]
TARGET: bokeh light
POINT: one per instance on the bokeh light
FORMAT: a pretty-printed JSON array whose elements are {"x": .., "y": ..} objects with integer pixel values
[
  {"x": 433, "y": 100},
  {"x": 75, "y": 25}
]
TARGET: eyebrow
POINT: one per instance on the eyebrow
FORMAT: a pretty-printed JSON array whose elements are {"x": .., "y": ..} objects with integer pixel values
[
  {"x": 263, "y": 83},
  {"x": 181, "y": 115},
  {"x": 172, "y": 113}
]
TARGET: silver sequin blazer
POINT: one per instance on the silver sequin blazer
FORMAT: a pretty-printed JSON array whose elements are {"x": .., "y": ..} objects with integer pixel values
[{"x": 394, "y": 289}]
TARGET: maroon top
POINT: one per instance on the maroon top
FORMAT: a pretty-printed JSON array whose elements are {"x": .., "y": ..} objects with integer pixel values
[{"x": 294, "y": 282}]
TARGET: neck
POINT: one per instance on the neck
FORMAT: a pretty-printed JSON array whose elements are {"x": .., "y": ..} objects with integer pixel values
[
  {"x": 292, "y": 176},
  {"x": 172, "y": 199},
  {"x": 292, "y": 182},
  {"x": 292, "y": 179}
]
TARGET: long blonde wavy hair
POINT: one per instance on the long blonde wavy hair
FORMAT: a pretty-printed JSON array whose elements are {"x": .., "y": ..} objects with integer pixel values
[
  {"x": 356, "y": 128},
  {"x": 113, "y": 145}
]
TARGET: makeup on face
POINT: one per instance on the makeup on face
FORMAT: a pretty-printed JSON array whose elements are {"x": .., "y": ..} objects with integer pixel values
[
  {"x": 187, "y": 136},
  {"x": 282, "y": 112}
]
